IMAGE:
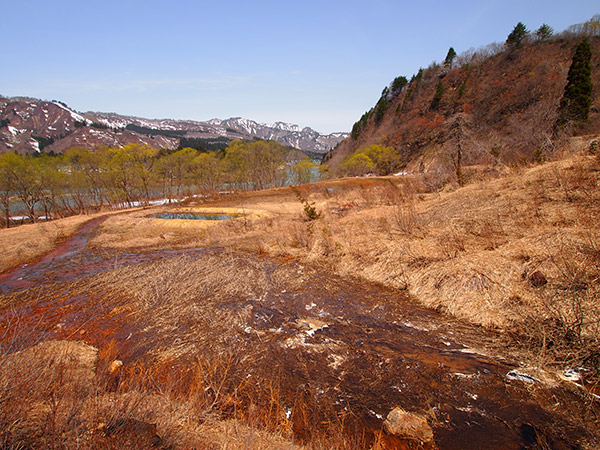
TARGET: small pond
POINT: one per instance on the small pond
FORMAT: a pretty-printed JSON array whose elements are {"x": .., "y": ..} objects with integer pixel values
[{"x": 194, "y": 216}]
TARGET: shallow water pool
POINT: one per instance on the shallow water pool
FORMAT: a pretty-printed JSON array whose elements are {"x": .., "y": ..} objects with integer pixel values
[{"x": 193, "y": 216}]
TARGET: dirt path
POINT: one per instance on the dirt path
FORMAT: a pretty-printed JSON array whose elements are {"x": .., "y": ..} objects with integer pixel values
[{"x": 338, "y": 346}]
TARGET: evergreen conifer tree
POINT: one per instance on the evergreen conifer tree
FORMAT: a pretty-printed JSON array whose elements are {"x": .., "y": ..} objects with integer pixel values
[
  {"x": 450, "y": 57},
  {"x": 577, "y": 98},
  {"x": 437, "y": 98},
  {"x": 544, "y": 31},
  {"x": 515, "y": 38}
]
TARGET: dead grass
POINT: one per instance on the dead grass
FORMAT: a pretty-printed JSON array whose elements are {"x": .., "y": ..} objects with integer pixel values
[
  {"x": 142, "y": 230},
  {"x": 59, "y": 394},
  {"x": 28, "y": 242},
  {"x": 468, "y": 252}
]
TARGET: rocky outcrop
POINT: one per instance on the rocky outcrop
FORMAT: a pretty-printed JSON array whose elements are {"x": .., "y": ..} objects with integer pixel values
[{"x": 408, "y": 425}]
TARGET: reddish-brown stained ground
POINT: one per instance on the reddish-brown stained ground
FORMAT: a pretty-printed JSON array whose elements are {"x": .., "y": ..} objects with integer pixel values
[{"x": 335, "y": 346}]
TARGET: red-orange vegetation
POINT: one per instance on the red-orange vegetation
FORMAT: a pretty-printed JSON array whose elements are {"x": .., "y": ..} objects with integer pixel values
[{"x": 506, "y": 100}]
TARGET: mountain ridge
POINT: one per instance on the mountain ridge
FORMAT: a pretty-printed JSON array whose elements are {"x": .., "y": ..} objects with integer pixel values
[
  {"x": 29, "y": 125},
  {"x": 494, "y": 107}
]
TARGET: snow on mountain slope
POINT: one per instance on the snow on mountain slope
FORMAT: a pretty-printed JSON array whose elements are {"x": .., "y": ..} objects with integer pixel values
[{"x": 30, "y": 125}]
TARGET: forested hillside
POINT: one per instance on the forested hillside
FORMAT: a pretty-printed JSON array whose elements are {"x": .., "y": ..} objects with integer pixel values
[{"x": 503, "y": 104}]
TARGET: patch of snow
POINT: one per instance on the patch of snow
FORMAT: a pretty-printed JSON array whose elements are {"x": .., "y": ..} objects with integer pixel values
[
  {"x": 162, "y": 201},
  {"x": 464, "y": 375},
  {"x": 464, "y": 408},
  {"x": 373, "y": 413},
  {"x": 19, "y": 218},
  {"x": 36, "y": 145},
  {"x": 570, "y": 375},
  {"x": 114, "y": 123},
  {"x": 311, "y": 306},
  {"x": 312, "y": 331},
  {"x": 74, "y": 115},
  {"x": 13, "y": 130},
  {"x": 137, "y": 204},
  {"x": 166, "y": 126},
  {"x": 525, "y": 378},
  {"x": 412, "y": 325},
  {"x": 574, "y": 377},
  {"x": 284, "y": 126}
]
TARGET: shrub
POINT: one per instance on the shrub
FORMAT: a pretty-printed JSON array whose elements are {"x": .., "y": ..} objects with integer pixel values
[{"x": 311, "y": 213}]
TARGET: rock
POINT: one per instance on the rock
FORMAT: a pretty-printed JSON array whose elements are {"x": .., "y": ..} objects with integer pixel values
[
  {"x": 129, "y": 433},
  {"x": 537, "y": 279},
  {"x": 115, "y": 366},
  {"x": 407, "y": 424}
]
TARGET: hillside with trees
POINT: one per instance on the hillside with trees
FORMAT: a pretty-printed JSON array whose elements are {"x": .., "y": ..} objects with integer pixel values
[{"x": 500, "y": 105}]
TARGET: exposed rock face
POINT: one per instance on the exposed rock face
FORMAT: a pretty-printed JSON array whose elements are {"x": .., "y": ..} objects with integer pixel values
[{"x": 407, "y": 424}]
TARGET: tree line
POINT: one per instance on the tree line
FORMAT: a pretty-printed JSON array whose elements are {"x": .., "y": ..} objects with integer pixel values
[{"x": 83, "y": 180}]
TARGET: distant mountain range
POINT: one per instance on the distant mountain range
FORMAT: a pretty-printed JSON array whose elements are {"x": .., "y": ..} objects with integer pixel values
[{"x": 30, "y": 125}]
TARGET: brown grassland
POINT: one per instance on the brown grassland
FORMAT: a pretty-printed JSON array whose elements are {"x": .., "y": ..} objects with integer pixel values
[
  {"x": 470, "y": 252},
  {"x": 517, "y": 253}
]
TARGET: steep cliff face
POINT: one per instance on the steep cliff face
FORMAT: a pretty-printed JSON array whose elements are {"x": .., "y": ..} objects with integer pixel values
[{"x": 498, "y": 106}]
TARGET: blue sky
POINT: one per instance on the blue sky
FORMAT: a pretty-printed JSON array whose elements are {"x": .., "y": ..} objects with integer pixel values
[{"x": 314, "y": 63}]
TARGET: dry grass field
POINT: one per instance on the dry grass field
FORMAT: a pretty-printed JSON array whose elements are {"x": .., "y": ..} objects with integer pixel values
[
  {"x": 519, "y": 253},
  {"x": 516, "y": 254},
  {"x": 28, "y": 242}
]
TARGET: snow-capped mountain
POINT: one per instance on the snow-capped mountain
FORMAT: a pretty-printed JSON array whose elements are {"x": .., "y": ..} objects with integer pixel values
[
  {"x": 306, "y": 139},
  {"x": 29, "y": 125}
]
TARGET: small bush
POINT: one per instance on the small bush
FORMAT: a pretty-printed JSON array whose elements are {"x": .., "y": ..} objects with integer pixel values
[{"x": 311, "y": 213}]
